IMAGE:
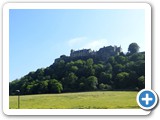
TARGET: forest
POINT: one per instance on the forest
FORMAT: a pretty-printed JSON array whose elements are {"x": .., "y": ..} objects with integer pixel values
[{"x": 123, "y": 72}]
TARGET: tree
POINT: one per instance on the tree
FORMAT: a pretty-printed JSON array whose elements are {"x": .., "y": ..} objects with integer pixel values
[
  {"x": 59, "y": 69},
  {"x": 98, "y": 69},
  {"x": 111, "y": 60},
  {"x": 118, "y": 68},
  {"x": 108, "y": 68},
  {"x": 88, "y": 68},
  {"x": 139, "y": 67},
  {"x": 133, "y": 48},
  {"x": 101, "y": 86},
  {"x": 89, "y": 62},
  {"x": 141, "y": 82},
  {"x": 122, "y": 80},
  {"x": 29, "y": 89},
  {"x": 133, "y": 77},
  {"x": 81, "y": 86},
  {"x": 74, "y": 69},
  {"x": 92, "y": 83},
  {"x": 137, "y": 56},
  {"x": 121, "y": 59},
  {"x": 43, "y": 87},
  {"x": 105, "y": 78},
  {"x": 54, "y": 86},
  {"x": 69, "y": 82},
  {"x": 108, "y": 87},
  {"x": 79, "y": 63}
]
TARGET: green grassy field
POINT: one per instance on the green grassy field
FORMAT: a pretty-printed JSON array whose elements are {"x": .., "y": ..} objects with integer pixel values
[{"x": 82, "y": 100}]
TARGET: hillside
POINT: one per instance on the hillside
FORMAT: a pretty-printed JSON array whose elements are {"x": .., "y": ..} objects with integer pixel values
[{"x": 86, "y": 70}]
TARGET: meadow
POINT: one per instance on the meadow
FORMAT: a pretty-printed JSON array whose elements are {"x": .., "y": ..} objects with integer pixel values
[{"x": 81, "y": 100}]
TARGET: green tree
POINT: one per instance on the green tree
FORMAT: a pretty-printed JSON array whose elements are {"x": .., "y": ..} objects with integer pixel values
[
  {"x": 74, "y": 69},
  {"x": 98, "y": 69},
  {"x": 111, "y": 60},
  {"x": 108, "y": 68},
  {"x": 108, "y": 87},
  {"x": 130, "y": 66},
  {"x": 102, "y": 86},
  {"x": 133, "y": 77},
  {"x": 88, "y": 71},
  {"x": 89, "y": 62},
  {"x": 105, "y": 78},
  {"x": 139, "y": 67},
  {"x": 133, "y": 48},
  {"x": 137, "y": 56},
  {"x": 121, "y": 59},
  {"x": 59, "y": 69},
  {"x": 69, "y": 82},
  {"x": 79, "y": 63},
  {"x": 82, "y": 86},
  {"x": 118, "y": 68},
  {"x": 43, "y": 86},
  {"x": 29, "y": 89},
  {"x": 141, "y": 82},
  {"x": 54, "y": 86},
  {"x": 122, "y": 80},
  {"x": 91, "y": 83}
]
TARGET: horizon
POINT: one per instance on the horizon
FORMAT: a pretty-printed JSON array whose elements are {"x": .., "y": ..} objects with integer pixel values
[{"x": 38, "y": 37}]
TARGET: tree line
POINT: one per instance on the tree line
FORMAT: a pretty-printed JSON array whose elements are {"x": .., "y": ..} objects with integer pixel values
[{"x": 119, "y": 72}]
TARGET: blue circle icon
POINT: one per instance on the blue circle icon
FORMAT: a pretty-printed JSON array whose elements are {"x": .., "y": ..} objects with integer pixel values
[{"x": 147, "y": 99}]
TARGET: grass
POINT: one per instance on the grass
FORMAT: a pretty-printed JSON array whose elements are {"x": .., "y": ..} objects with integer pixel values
[{"x": 82, "y": 100}]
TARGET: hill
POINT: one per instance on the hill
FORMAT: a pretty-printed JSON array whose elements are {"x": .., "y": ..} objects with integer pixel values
[{"x": 86, "y": 70}]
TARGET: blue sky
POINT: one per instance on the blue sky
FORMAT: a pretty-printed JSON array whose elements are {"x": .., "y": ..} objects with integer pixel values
[{"x": 37, "y": 37}]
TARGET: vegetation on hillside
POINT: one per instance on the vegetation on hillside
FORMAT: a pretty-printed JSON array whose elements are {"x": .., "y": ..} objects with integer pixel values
[{"x": 88, "y": 73}]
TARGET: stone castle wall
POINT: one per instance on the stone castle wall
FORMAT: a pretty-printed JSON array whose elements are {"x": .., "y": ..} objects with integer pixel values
[{"x": 105, "y": 51}]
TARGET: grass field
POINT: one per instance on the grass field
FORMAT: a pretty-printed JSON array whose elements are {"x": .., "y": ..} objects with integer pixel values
[{"x": 82, "y": 100}]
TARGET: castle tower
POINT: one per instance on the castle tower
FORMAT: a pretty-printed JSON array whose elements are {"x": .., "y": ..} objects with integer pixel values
[
  {"x": 72, "y": 52},
  {"x": 120, "y": 49}
]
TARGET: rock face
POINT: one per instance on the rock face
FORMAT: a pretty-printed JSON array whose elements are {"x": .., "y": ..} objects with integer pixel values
[{"x": 103, "y": 53}]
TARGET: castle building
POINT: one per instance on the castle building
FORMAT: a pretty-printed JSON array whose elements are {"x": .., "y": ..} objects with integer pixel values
[
  {"x": 104, "y": 52},
  {"x": 80, "y": 53}
]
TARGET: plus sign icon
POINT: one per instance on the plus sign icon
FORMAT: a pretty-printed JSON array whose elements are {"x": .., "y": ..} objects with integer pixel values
[{"x": 147, "y": 99}]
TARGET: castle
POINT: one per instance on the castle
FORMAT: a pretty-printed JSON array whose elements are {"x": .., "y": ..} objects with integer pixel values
[
  {"x": 80, "y": 53},
  {"x": 105, "y": 52}
]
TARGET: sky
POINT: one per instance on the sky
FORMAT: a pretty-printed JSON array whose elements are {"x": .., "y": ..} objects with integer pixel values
[{"x": 37, "y": 37}]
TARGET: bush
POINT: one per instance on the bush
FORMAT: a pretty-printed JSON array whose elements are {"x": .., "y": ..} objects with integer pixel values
[
  {"x": 102, "y": 86},
  {"x": 108, "y": 87}
]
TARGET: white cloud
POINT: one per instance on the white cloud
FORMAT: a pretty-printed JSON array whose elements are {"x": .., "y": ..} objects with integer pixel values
[
  {"x": 76, "y": 41},
  {"x": 95, "y": 44},
  {"x": 85, "y": 43}
]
